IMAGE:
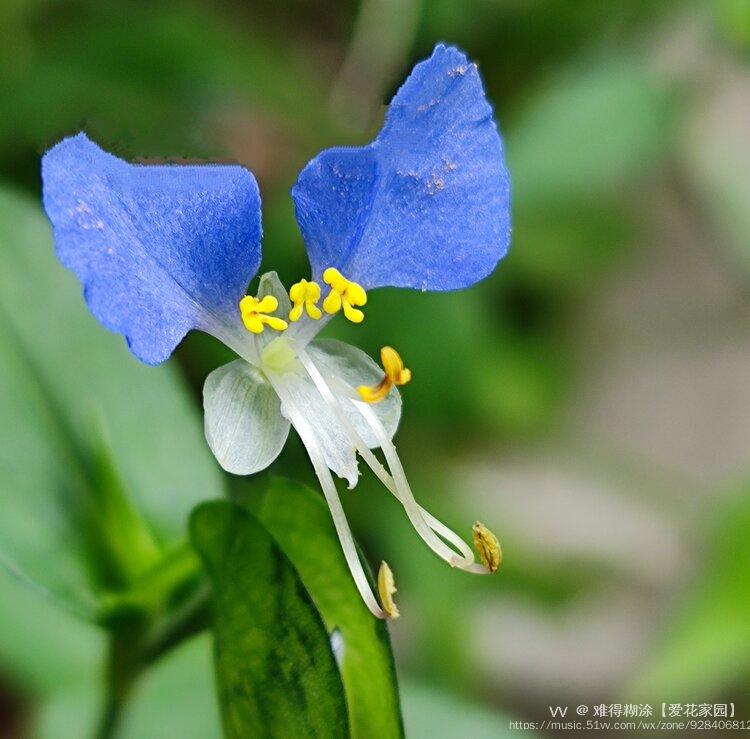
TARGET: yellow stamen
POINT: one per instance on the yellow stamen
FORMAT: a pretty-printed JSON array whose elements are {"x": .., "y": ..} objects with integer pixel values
[
  {"x": 343, "y": 294},
  {"x": 253, "y": 313},
  {"x": 395, "y": 374},
  {"x": 305, "y": 295},
  {"x": 487, "y": 546},
  {"x": 394, "y": 366},
  {"x": 386, "y": 588}
]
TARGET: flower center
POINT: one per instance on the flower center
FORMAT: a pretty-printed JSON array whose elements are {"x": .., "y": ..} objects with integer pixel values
[
  {"x": 305, "y": 294},
  {"x": 279, "y": 357}
]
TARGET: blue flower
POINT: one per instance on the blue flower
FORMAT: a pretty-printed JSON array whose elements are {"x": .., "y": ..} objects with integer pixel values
[
  {"x": 161, "y": 250},
  {"x": 425, "y": 205}
]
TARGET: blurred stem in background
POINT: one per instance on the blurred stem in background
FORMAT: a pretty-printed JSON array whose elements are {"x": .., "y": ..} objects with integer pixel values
[
  {"x": 359, "y": 89},
  {"x": 139, "y": 638}
]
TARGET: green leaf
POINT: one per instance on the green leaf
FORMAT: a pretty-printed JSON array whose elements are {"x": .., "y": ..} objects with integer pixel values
[
  {"x": 63, "y": 375},
  {"x": 300, "y": 522},
  {"x": 275, "y": 668},
  {"x": 121, "y": 545},
  {"x": 706, "y": 647}
]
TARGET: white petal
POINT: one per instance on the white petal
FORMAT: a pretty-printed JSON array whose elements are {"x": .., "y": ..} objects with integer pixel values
[
  {"x": 271, "y": 285},
  {"x": 354, "y": 367},
  {"x": 338, "y": 450},
  {"x": 243, "y": 422},
  {"x": 306, "y": 329},
  {"x": 337, "y": 361}
]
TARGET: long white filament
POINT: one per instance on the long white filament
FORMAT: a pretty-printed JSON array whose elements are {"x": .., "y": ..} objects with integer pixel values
[
  {"x": 307, "y": 435},
  {"x": 467, "y": 564},
  {"x": 425, "y": 524},
  {"x": 412, "y": 510},
  {"x": 402, "y": 484}
]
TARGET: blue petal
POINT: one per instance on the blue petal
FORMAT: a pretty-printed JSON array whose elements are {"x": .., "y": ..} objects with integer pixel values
[
  {"x": 427, "y": 204},
  {"x": 159, "y": 249}
]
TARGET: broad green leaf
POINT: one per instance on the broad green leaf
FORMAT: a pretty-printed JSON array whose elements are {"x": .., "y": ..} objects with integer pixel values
[
  {"x": 120, "y": 546},
  {"x": 64, "y": 378},
  {"x": 300, "y": 522},
  {"x": 706, "y": 647},
  {"x": 275, "y": 668}
]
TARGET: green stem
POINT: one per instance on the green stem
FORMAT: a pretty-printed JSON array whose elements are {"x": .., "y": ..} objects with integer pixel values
[
  {"x": 143, "y": 628},
  {"x": 110, "y": 720},
  {"x": 192, "y": 617},
  {"x": 123, "y": 667}
]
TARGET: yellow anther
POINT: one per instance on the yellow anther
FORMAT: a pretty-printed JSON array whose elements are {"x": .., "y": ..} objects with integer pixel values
[
  {"x": 344, "y": 294},
  {"x": 395, "y": 374},
  {"x": 487, "y": 546},
  {"x": 386, "y": 588},
  {"x": 394, "y": 366},
  {"x": 253, "y": 313},
  {"x": 305, "y": 295}
]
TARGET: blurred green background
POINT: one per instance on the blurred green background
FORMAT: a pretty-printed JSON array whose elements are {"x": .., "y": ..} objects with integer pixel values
[{"x": 589, "y": 402}]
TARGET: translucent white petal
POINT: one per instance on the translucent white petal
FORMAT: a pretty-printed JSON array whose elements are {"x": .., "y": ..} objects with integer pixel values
[
  {"x": 306, "y": 329},
  {"x": 243, "y": 422},
  {"x": 354, "y": 367},
  {"x": 338, "y": 364},
  {"x": 299, "y": 393},
  {"x": 271, "y": 285}
]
